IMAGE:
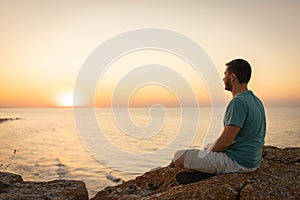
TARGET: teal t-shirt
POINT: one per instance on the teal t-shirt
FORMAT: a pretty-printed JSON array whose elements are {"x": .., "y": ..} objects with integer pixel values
[{"x": 247, "y": 112}]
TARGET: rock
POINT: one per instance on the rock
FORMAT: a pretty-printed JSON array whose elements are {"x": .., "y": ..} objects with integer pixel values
[
  {"x": 13, "y": 187},
  {"x": 8, "y": 119},
  {"x": 278, "y": 177},
  {"x": 8, "y": 178},
  {"x": 113, "y": 178}
]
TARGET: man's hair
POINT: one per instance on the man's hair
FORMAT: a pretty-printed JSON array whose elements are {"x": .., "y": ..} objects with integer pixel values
[{"x": 241, "y": 68}]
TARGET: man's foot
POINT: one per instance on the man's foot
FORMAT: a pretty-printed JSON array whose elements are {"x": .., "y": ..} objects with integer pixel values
[{"x": 191, "y": 177}]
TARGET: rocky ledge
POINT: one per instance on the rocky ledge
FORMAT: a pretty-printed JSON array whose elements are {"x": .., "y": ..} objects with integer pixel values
[
  {"x": 277, "y": 178},
  {"x": 12, "y": 186}
]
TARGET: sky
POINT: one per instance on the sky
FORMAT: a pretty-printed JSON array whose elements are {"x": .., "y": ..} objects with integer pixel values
[{"x": 44, "y": 45}]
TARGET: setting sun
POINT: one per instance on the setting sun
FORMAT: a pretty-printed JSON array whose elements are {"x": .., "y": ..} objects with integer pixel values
[{"x": 66, "y": 100}]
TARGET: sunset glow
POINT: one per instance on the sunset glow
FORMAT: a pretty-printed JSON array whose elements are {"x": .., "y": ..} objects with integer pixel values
[
  {"x": 66, "y": 100},
  {"x": 45, "y": 44}
]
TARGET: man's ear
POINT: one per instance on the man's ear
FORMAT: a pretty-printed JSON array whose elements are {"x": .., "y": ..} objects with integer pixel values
[{"x": 233, "y": 76}]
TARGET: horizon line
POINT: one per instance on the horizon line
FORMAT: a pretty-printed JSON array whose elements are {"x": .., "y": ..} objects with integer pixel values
[{"x": 200, "y": 106}]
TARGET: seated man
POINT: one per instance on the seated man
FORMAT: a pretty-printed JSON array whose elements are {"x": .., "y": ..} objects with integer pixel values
[{"x": 238, "y": 149}]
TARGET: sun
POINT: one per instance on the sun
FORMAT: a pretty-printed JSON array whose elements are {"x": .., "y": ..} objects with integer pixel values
[{"x": 66, "y": 100}]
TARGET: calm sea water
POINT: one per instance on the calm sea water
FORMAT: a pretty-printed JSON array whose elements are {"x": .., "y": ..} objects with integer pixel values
[{"x": 49, "y": 143}]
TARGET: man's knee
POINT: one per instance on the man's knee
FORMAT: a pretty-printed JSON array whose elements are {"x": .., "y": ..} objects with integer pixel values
[{"x": 179, "y": 158}]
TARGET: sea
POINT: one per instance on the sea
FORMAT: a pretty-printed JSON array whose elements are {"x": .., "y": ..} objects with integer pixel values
[{"x": 103, "y": 145}]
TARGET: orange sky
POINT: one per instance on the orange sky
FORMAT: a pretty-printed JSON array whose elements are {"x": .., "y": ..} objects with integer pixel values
[{"x": 45, "y": 43}]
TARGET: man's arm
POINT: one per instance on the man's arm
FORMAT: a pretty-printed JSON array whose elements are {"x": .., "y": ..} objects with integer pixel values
[{"x": 225, "y": 139}]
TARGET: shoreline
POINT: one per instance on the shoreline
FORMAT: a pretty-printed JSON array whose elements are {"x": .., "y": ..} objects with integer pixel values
[{"x": 276, "y": 177}]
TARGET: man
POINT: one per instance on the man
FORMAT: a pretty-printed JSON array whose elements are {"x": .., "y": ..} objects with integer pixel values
[{"x": 238, "y": 149}]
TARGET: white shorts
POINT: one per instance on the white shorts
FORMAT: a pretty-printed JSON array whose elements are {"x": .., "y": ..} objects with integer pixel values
[{"x": 212, "y": 162}]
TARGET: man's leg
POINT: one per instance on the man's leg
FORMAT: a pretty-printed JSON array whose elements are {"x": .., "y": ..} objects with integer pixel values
[
  {"x": 178, "y": 160},
  {"x": 207, "y": 161},
  {"x": 188, "y": 175}
]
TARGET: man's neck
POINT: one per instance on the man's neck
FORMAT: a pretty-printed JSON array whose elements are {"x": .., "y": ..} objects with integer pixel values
[{"x": 238, "y": 89}]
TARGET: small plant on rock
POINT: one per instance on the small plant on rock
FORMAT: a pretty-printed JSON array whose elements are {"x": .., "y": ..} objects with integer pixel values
[{"x": 8, "y": 164}]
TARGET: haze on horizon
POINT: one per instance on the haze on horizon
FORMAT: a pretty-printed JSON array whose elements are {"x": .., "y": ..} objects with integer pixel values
[{"x": 45, "y": 43}]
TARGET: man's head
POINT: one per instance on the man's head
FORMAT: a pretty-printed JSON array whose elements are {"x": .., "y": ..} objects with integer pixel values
[{"x": 239, "y": 70}]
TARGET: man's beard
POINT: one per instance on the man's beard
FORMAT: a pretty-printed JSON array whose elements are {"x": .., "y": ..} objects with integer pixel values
[
  {"x": 228, "y": 88},
  {"x": 228, "y": 85}
]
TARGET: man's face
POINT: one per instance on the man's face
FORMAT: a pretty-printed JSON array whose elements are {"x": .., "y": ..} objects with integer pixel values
[{"x": 227, "y": 81}]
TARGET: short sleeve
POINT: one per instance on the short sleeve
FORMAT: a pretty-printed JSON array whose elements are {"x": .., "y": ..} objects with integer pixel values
[{"x": 235, "y": 113}]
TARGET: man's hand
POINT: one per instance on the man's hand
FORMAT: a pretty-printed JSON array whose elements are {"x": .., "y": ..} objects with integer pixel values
[
  {"x": 207, "y": 146},
  {"x": 225, "y": 139}
]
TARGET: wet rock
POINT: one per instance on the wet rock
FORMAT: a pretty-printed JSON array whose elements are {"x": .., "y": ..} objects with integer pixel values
[
  {"x": 113, "y": 178},
  {"x": 8, "y": 119},
  {"x": 278, "y": 177}
]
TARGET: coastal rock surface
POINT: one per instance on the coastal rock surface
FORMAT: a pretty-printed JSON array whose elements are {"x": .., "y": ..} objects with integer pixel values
[
  {"x": 12, "y": 186},
  {"x": 277, "y": 178}
]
